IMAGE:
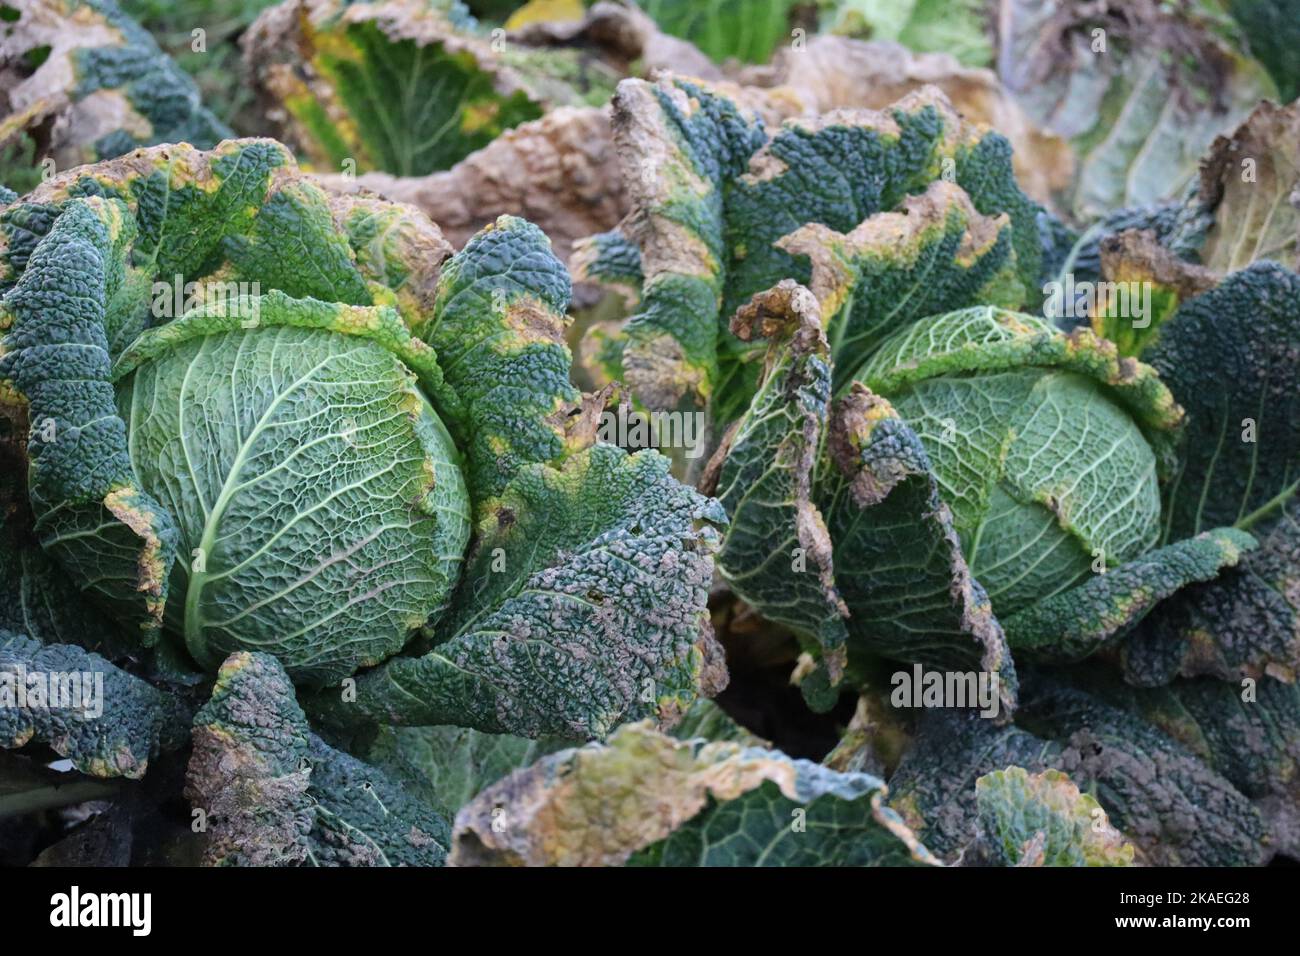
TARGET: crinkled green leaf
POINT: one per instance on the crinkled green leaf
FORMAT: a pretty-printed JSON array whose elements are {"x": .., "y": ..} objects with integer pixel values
[
  {"x": 1229, "y": 357},
  {"x": 612, "y": 260},
  {"x": 36, "y": 597},
  {"x": 1073, "y": 624},
  {"x": 843, "y": 167},
  {"x": 933, "y": 788},
  {"x": 107, "y": 722},
  {"x": 273, "y": 793},
  {"x": 1241, "y": 624},
  {"x": 898, "y": 556},
  {"x": 681, "y": 803},
  {"x": 1042, "y": 819},
  {"x": 215, "y": 65},
  {"x": 96, "y": 84},
  {"x": 249, "y": 770},
  {"x": 1172, "y": 805},
  {"x": 56, "y": 358},
  {"x": 936, "y": 255},
  {"x": 365, "y": 818},
  {"x": 777, "y": 554},
  {"x": 713, "y": 194},
  {"x": 678, "y": 144},
  {"x": 452, "y": 764},
  {"x": 1249, "y": 731},
  {"x": 498, "y": 327},
  {"x": 582, "y": 605}
]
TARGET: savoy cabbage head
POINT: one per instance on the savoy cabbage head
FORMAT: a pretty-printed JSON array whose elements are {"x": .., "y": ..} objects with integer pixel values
[
  {"x": 919, "y": 465},
  {"x": 266, "y": 418}
]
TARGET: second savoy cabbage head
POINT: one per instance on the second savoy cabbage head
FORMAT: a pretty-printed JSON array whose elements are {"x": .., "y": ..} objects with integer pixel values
[
  {"x": 914, "y": 469},
  {"x": 1048, "y": 476}
]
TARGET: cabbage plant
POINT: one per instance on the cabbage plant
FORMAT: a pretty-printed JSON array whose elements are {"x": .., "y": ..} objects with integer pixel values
[
  {"x": 921, "y": 468},
  {"x": 264, "y": 418},
  {"x": 941, "y": 470}
]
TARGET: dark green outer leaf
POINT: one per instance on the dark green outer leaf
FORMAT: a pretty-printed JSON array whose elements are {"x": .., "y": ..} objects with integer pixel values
[
  {"x": 582, "y": 605},
  {"x": 113, "y": 729},
  {"x": 36, "y": 597},
  {"x": 899, "y": 561},
  {"x": 1232, "y": 355},
  {"x": 273, "y": 793},
  {"x": 934, "y": 786},
  {"x": 56, "y": 357},
  {"x": 935, "y": 254},
  {"x": 248, "y": 772},
  {"x": 1160, "y": 794},
  {"x": 777, "y": 554},
  {"x": 498, "y": 328},
  {"x": 1172, "y": 805},
  {"x": 1232, "y": 358},
  {"x": 679, "y": 142},
  {"x": 93, "y": 84},
  {"x": 364, "y": 818},
  {"x": 1248, "y": 731},
  {"x": 1078, "y": 622},
  {"x": 611, "y": 260},
  {"x": 452, "y": 764}
]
